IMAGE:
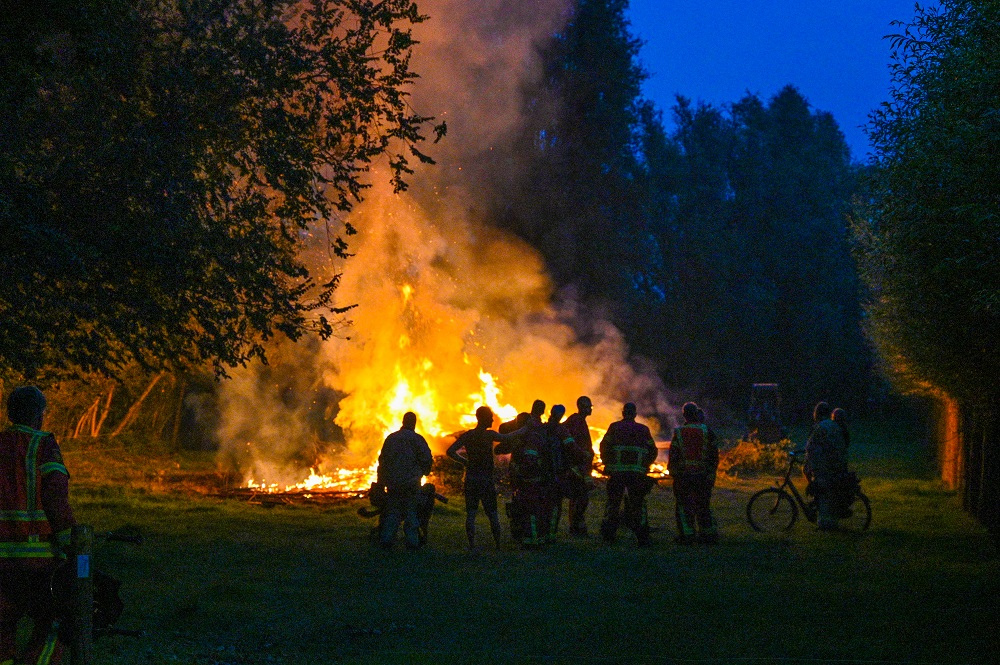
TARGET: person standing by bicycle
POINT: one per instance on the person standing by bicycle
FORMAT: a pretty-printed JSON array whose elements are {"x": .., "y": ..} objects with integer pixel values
[
  {"x": 825, "y": 465},
  {"x": 35, "y": 524},
  {"x": 692, "y": 463}
]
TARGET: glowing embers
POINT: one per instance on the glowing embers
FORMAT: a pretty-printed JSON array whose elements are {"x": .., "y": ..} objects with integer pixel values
[
  {"x": 338, "y": 481},
  {"x": 658, "y": 470}
]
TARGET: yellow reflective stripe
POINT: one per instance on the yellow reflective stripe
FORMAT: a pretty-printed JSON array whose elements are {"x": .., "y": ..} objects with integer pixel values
[
  {"x": 22, "y": 516},
  {"x": 24, "y": 429},
  {"x": 534, "y": 538},
  {"x": 618, "y": 465},
  {"x": 30, "y": 460},
  {"x": 45, "y": 657},
  {"x": 26, "y": 550},
  {"x": 52, "y": 467}
]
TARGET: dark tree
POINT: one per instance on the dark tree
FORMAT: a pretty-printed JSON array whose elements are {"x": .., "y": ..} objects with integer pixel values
[
  {"x": 576, "y": 201},
  {"x": 759, "y": 284},
  {"x": 719, "y": 249},
  {"x": 160, "y": 161},
  {"x": 928, "y": 239}
]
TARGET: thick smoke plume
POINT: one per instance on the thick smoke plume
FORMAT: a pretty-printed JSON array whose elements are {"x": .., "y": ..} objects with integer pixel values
[{"x": 449, "y": 308}]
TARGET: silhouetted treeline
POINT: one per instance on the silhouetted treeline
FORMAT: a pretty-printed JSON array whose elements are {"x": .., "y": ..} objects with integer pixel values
[{"x": 718, "y": 246}]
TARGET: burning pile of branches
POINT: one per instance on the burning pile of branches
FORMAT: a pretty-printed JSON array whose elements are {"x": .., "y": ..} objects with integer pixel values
[{"x": 340, "y": 485}]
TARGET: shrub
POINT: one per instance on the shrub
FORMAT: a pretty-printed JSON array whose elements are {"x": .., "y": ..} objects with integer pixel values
[{"x": 748, "y": 458}]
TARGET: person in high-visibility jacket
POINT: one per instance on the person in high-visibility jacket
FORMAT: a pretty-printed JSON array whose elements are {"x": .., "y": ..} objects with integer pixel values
[
  {"x": 35, "y": 524},
  {"x": 692, "y": 463},
  {"x": 627, "y": 451},
  {"x": 530, "y": 478}
]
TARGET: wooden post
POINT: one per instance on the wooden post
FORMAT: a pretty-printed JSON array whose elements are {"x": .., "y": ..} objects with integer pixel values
[{"x": 82, "y": 647}]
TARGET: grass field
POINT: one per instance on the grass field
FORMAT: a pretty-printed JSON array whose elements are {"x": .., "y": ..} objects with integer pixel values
[{"x": 226, "y": 582}]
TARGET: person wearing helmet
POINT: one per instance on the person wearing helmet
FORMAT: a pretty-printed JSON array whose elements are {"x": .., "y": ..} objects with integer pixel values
[
  {"x": 35, "y": 524},
  {"x": 627, "y": 451}
]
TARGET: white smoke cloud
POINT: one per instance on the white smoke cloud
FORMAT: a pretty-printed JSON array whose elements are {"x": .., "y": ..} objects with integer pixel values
[{"x": 441, "y": 295}]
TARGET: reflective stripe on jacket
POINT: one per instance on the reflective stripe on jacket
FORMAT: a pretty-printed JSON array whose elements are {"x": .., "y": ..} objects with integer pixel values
[
  {"x": 693, "y": 450},
  {"x": 627, "y": 446},
  {"x": 25, "y": 529}
]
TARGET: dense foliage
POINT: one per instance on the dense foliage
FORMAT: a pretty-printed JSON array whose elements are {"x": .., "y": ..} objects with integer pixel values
[
  {"x": 719, "y": 246},
  {"x": 928, "y": 238},
  {"x": 160, "y": 161}
]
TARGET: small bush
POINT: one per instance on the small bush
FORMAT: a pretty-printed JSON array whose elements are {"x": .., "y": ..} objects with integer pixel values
[{"x": 748, "y": 458}]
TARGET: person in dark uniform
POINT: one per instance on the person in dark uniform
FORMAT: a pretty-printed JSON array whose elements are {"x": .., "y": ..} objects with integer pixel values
[
  {"x": 839, "y": 416},
  {"x": 825, "y": 464},
  {"x": 35, "y": 524},
  {"x": 530, "y": 477},
  {"x": 560, "y": 451},
  {"x": 404, "y": 460},
  {"x": 578, "y": 481},
  {"x": 480, "y": 486},
  {"x": 627, "y": 451}
]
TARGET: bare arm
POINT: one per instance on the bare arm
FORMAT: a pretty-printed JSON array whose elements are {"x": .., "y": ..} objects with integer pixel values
[
  {"x": 510, "y": 435},
  {"x": 453, "y": 449}
]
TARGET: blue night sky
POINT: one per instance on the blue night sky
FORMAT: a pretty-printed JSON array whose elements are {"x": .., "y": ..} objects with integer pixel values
[{"x": 718, "y": 50}]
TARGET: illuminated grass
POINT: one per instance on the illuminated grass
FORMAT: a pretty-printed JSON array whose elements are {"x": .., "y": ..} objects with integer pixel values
[{"x": 224, "y": 582}]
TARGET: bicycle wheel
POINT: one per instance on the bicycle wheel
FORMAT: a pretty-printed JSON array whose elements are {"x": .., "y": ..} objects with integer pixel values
[
  {"x": 858, "y": 515},
  {"x": 771, "y": 509}
]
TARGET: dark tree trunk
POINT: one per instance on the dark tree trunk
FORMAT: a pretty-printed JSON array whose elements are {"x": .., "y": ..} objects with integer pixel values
[{"x": 981, "y": 487}]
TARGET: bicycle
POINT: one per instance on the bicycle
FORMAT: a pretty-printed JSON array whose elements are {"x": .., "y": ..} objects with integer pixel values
[
  {"x": 86, "y": 598},
  {"x": 777, "y": 508}
]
